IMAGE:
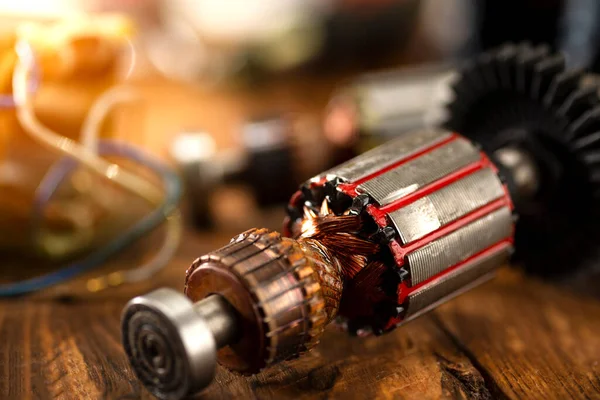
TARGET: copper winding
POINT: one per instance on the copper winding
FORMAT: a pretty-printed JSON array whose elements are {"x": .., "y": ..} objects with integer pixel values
[
  {"x": 286, "y": 289},
  {"x": 338, "y": 235},
  {"x": 329, "y": 272},
  {"x": 364, "y": 291},
  {"x": 343, "y": 261}
]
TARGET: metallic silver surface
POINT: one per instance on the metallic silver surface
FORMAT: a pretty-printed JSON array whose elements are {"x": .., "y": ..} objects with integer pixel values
[
  {"x": 459, "y": 245},
  {"x": 431, "y": 212},
  {"x": 447, "y": 285},
  {"x": 464, "y": 289},
  {"x": 220, "y": 318},
  {"x": 385, "y": 155},
  {"x": 522, "y": 167},
  {"x": 419, "y": 172},
  {"x": 171, "y": 348}
]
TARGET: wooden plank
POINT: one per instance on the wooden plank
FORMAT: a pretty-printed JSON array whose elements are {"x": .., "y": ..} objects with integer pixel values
[
  {"x": 418, "y": 362},
  {"x": 67, "y": 351},
  {"x": 54, "y": 350},
  {"x": 532, "y": 338}
]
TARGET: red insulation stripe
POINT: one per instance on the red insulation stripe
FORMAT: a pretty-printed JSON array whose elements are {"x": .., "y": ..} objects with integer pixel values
[
  {"x": 507, "y": 197},
  {"x": 320, "y": 182},
  {"x": 379, "y": 214},
  {"x": 402, "y": 250},
  {"x": 350, "y": 188},
  {"x": 404, "y": 290},
  {"x": 379, "y": 217},
  {"x": 286, "y": 231},
  {"x": 295, "y": 199},
  {"x": 297, "y": 196},
  {"x": 437, "y": 185}
]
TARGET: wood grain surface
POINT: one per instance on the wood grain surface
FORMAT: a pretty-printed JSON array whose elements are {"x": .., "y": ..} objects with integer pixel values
[{"x": 514, "y": 337}]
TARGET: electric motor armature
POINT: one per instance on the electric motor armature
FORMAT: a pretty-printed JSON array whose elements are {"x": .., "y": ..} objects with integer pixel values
[{"x": 369, "y": 245}]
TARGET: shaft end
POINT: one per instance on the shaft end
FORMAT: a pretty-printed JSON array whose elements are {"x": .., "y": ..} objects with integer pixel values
[{"x": 170, "y": 345}]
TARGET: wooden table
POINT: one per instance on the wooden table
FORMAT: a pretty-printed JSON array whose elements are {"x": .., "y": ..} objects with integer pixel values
[{"x": 514, "y": 337}]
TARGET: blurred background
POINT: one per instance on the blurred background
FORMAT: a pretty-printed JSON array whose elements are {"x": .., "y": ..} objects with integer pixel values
[{"x": 115, "y": 114}]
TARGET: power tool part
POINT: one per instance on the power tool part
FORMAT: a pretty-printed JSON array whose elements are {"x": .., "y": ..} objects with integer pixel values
[{"x": 373, "y": 243}]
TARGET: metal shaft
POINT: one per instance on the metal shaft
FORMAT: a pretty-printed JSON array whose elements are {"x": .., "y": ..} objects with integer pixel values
[
  {"x": 221, "y": 318},
  {"x": 522, "y": 168}
]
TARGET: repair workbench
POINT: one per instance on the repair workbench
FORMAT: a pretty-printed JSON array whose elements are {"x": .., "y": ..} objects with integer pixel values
[{"x": 513, "y": 337}]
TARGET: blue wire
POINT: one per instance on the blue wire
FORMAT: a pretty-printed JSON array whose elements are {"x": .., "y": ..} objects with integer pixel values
[{"x": 173, "y": 192}]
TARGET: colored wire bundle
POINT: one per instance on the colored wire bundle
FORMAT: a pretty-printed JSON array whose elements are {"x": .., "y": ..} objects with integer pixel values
[
  {"x": 44, "y": 135},
  {"x": 88, "y": 155},
  {"x": 48, "y": 186}
]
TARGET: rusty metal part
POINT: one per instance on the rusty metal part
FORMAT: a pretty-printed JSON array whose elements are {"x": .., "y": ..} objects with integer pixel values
[{"x": 284, "y": 290}]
